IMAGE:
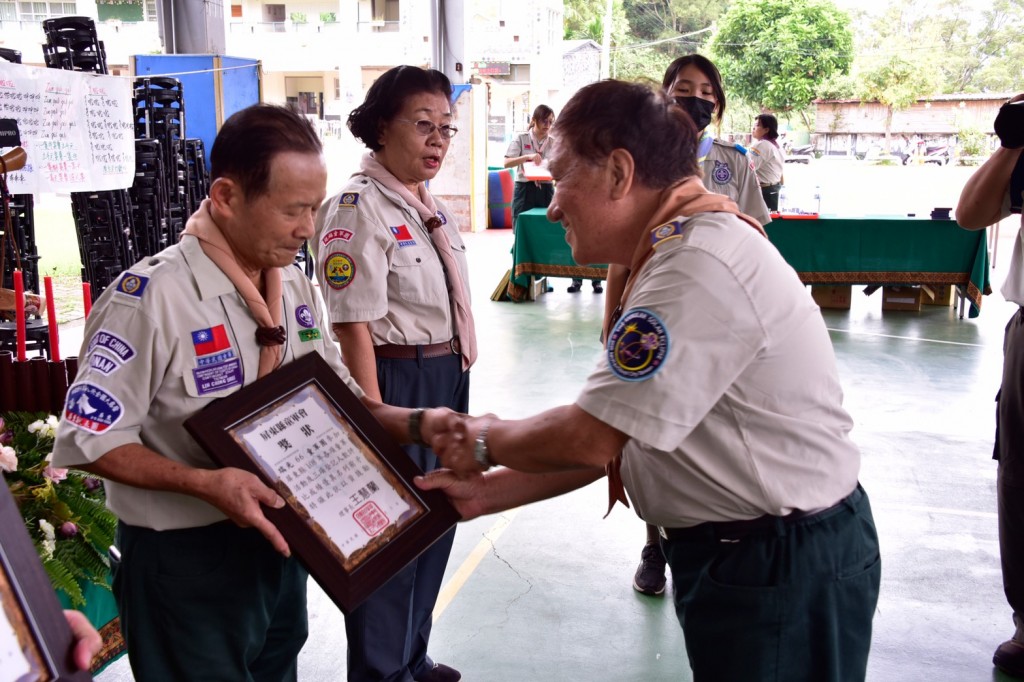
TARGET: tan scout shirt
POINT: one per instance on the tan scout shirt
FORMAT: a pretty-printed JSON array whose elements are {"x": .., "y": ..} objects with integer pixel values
[
  {"x": 726, "y": 170},
  {"x": 169, "y": 338},
  {"x": 376, "y": 263},
  {"x": 523, "y": 144},
  {"x": 722, "y": 373}
]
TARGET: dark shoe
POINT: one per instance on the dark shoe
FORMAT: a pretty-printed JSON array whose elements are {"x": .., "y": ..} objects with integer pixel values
[
  {"x": 598, "y": 289},
  {"x": 650, "y": 574},
  {"x": 440, "y": 673},
  {"x": 1009, "y": 657},
  {"x": 575, "y": 286}
]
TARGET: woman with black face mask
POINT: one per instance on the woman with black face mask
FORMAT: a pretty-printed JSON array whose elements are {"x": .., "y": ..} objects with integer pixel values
[{"x": 696, "y": 85}]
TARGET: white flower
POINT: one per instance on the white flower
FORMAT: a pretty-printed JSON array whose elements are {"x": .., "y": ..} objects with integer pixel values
[
  {"x": 44, "y": 429},
  {"x": 51, "y": 426},
  {"x": 49, "y": 539},
  {"x": 36, "y": 425},
  {"x": 8, "y": 459}
]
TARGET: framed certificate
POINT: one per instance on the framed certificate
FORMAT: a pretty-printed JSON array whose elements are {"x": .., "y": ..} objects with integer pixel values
[
  {"x": 35, "y": 640},
  {"x": 352, "y": 514}
]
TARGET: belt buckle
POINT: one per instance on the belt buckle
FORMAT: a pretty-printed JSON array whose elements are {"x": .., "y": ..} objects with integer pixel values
[{"x": 455, "y": 346}]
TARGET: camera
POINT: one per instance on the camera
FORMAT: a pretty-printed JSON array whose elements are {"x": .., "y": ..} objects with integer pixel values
[{"x": 1009, "y": 125}]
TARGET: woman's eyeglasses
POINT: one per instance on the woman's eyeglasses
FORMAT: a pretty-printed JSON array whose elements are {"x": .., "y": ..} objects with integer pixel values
[{"x": 425, "y": 127}]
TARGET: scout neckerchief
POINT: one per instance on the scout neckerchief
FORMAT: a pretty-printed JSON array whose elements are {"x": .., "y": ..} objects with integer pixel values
[
  {"x": 704, "y": 147},
  {"x": 266, "y": 311},
  {"x": 686, "y": 199},
  {"x": 423, "y": 204}
]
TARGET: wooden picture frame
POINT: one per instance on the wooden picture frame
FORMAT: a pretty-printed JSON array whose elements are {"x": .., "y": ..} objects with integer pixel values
[
  {"x": 352, "y": 514},
  {"x": 31, "y": 619}
]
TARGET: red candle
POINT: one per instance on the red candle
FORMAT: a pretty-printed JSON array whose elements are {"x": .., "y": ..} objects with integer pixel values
[
  {"x": 87, "y": 298},
  {"x": 19, "y": 313},
  {"x": 51, "y": 320}
]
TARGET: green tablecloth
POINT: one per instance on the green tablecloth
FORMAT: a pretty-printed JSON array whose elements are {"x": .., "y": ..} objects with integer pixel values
[
  {"x": 885, "y": 250},
  {"x": 101, "y": 610},
  {"x": 540, "y": 250}
]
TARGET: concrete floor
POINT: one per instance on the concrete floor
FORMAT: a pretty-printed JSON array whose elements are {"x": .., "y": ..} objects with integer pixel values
[{"x": 544, "y": 592}]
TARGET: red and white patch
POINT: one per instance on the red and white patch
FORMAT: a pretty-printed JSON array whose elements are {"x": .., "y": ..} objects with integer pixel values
[{"x": 339, "y": 234}]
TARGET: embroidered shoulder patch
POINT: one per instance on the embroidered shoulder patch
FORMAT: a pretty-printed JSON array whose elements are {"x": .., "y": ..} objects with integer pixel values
[
  {"x": 349, "y": 199},
  {"x": 673, "y": 230},
  {"x": 637, "y": 346},
  {"x": 331, "y": 235},
  {"x": 91, "y": 408},
  {"x": 339, "y": 270},
  {"x": 113, "y": 344},
  {"x": 132, "y": 284},
  {"x": 304, "y": 316}
]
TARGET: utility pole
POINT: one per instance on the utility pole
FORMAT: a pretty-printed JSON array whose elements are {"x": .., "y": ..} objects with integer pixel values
[{"x": 606, "y": 40}]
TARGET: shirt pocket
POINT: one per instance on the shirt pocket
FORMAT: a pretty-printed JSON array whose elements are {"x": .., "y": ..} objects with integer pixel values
[{"x": 418, "y": 275}]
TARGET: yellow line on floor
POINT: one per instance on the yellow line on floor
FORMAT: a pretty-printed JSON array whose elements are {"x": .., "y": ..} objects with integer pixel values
[{"x": 450, "y": 589}]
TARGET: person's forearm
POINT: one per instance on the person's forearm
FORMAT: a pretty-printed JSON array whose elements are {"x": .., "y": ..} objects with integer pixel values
[
  {"x": 507, "y": 488},
  {"x": 138, "y": 466},
  {"x": 511, "y": 161},
  {"x": 982, "y": 198},
  {"x": 357, "y": 353},
  {"x": 562, "y": 438}
]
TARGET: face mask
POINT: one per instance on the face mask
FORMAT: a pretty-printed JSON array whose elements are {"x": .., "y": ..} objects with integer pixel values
[{"x": 700, "y": 110}]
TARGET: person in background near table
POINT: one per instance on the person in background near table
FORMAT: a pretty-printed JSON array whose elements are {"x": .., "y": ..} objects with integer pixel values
[
  {"x": 767, "y": 158},
  {"x": 696, "y": 85},
  {"x": 716, "y": 405},
  {"x": 206, "y": 586},
  {"x": 396, "y": 281},
  {"x": 992, "y": 193},
  {"x": 532, "y": 147}
]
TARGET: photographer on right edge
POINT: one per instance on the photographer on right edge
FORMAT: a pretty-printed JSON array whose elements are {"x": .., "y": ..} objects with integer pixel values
[{"x": 991, "y": 194}]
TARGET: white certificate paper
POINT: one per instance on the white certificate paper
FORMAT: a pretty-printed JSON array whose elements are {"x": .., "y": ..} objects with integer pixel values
[{"x": 344, "y": 487}]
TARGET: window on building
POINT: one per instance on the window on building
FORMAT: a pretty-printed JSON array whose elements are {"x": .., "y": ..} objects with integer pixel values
[
  {"x": 386, "y": 14},
  {"x": 8, "y": 11},
  {"x": 38, "y": 11},
  {"x": 150, "y": 8},
  {"x": 337, "y": 88},
  {"x": 236, "y": 11}
]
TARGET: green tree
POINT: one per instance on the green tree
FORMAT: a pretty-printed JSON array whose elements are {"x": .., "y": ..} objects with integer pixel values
[
  {"x": 896, "y": 82},
  {"x": 777, "y": 53}
]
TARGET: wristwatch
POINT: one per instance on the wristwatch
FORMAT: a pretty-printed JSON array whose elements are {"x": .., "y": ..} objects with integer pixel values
[
  {"x": 415, "y": 417},
  {"x": 481, "y": 453}
]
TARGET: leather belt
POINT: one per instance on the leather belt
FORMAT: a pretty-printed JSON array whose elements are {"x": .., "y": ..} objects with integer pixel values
[
  {"x": 394, "y": 351},
  {"x": 730, "y": 531}
]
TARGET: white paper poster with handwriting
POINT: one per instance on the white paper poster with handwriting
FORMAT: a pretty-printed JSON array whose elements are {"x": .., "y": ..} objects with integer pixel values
[{"x": 76, "y": 128}]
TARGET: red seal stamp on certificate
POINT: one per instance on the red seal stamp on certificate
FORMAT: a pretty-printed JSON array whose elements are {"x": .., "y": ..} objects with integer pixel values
[{"x": 371, "y": 518}]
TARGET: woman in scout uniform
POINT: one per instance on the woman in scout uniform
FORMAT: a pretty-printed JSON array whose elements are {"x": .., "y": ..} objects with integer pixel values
[
  {"x": 532, "y": 147},
  {"x": 768, "y": 159},
  {"x": 393, "y": 272}
]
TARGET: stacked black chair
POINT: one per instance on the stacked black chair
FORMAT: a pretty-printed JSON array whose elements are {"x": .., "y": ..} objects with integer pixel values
[
  {"x": 71, "y": 44},
  {"x": 106, "y": 237},
  {"x": 13, "y": 56}
]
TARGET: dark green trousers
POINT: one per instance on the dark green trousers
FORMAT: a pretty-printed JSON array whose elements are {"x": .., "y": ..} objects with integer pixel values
[
  {"x": 791, "y": 603},
  {"x": 215, "y": 603}
]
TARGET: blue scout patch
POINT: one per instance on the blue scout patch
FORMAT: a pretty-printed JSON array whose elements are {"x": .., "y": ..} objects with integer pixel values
[
  {"x": 440, "y": 216},
  {"x": 121, "y": 349},
  {"x": 219, "y": 377},
  {"x": 339, "y": 270},
  {"x": 348, "y": 199},
  {"x": 91, "y": 408},
  {"x": 132, "y": 285},
  {"x": 672, "y": 230},
  {"x": 637, "y": 346},
  {"x": 216, "y": 359},
  {"x": 304, "y": 317},
  {"x": 721, "y": 175}
]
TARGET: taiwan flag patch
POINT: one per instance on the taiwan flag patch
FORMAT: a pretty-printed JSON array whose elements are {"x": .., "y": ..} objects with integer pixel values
[
  {"x": 210, "y": 340},
  {"x": 403, "y": 235}
]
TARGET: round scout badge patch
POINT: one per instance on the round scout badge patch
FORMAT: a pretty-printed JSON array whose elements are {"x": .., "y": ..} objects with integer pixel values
[
  {"x": 339, "y": 270},
  {"x": 637, "y": 346},
  {"x": 722, "y": 175},
  {"x": 303, "y": 316}
]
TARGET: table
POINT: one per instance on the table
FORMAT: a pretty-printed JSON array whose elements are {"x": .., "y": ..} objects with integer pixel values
[
  {"x": 880, "y": 250},
  {"x": 540, "y": 250}
]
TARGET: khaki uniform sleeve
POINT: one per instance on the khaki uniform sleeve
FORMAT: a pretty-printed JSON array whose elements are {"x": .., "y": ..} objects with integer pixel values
[
  {"x": 750, "y": 199},
  {"x": 352, "y": 262}
]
